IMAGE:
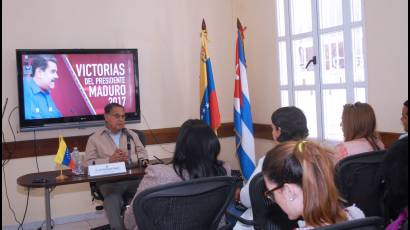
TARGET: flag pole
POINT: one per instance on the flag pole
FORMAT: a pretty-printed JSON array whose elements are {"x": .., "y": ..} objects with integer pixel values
[
  {"x": 203, "y": 24},
  {"x": 61, "y": 176},
  {"x": 238, "y": 24}
]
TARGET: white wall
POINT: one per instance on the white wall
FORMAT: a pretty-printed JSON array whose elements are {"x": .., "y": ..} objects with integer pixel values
[
  {"x": 260, "y": 49},
  {"x": 166, "y": 32},
  {"x": 387, "y": 53}
]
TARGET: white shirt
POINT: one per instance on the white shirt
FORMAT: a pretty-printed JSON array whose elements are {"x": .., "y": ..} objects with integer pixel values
[
  {"x": 403, "y": 135},
  {"x": 352, "y": 212},
  {"x": 246, "y": 199},
  {"x": 116, "y": 138}
]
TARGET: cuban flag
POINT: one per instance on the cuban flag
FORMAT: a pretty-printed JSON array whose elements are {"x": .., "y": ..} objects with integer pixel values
[
  {"x": 209, "y": 110},
  {"x": 245, "y": 142}
]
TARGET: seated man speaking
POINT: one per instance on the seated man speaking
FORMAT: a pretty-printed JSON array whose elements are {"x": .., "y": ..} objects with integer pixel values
[{"x": 110, "y": 145}]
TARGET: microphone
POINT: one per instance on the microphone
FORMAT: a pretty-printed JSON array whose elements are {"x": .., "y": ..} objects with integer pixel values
[
  {"x": 140, "y": 162},
  {"x": 129, "y": 163},
  {"x": 159, "y": 160},
  {"x": 129, "y": 136}
]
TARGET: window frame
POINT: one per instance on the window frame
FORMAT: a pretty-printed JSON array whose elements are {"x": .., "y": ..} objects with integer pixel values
[{"x": 349, "y": 85}]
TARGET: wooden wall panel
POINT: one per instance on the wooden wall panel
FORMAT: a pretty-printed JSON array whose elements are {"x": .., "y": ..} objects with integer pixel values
[{"x": 49, "y": 146}]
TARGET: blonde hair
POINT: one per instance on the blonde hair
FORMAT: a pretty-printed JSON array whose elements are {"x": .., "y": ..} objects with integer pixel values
[
  {"x": 311, "y": 167},
  {"x": 359, "y": 121}
]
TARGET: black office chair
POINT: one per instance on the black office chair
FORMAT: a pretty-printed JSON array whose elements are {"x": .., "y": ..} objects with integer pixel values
[
  {"x": 266, "y": 214},
  {"x": 97, "y": 195},
  {"x": 141, "y": 136},
  {"x": 368, "y": 223},
  {"x": 358, "y": 180},
  {"x": 194, "y": 204}
]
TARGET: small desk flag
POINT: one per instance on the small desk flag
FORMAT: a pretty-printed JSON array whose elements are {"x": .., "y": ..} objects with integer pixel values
[{"x": 63, "y": 156}]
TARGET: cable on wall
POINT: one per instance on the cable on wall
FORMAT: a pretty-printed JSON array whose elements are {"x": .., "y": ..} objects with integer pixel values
[
  {"x": 7, "y": 196},
  {"x": 35, "y": 150},
  {"x": 25, "y": 210},
  {"x": 155, "y": 138},
  {"x": 7, "y": 150},
  {"x": 4, "y": 163}
]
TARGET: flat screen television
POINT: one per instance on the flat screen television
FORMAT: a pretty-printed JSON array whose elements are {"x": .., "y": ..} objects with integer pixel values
[{"x": 68, "y": 88}]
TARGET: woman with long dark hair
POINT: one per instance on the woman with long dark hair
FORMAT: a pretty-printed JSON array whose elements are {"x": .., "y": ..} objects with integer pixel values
[{"x": 196, "y": 156}]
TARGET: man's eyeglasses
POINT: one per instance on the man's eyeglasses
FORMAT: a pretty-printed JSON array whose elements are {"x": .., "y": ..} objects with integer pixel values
[
  {"x": 270, "y": 195},
  {"x": 118, "y": 116}
]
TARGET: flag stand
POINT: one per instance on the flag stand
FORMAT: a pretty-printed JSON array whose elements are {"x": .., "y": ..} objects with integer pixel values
[{"x": 61, "y": 176}]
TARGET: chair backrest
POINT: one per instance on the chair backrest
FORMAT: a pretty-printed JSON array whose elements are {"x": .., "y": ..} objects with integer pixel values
[
  {"x": 194, "y": 204},
  {"x": 141, "y": 136},
  {"x": 266, "y": 214},
  {"x": 368, "y": 223},
  {"x": 358, "y": 180}
]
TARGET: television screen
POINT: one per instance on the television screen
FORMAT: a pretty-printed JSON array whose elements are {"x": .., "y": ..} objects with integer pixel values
[{"x": 68, "y": 88}]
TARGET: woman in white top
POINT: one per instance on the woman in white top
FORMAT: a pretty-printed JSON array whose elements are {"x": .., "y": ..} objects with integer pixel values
[{"x": 288, "y": 123}]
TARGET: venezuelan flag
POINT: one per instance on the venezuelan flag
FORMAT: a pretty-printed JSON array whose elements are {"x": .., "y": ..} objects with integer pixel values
[
  {"x": 209, "y": 102},
  {"x": 63, "y": 154}
]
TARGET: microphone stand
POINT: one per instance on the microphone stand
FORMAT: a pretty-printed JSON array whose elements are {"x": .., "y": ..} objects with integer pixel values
[{"x": 130, "y": 164}]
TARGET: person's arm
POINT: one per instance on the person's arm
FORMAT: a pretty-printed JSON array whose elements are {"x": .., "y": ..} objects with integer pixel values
[
  {"x": 27, "y": 110},
  {"x": 56, "y": 112},
  {"x": 244, "y": 195},
  {"x": 154, "y": 175},
  {"x": 27, "y": 99},
  {"x": 380, "y": 144},
  {"x": 228, "y": 169},
  {"x": 129, "y": 217},
  {"x": 341, "y": 151}
]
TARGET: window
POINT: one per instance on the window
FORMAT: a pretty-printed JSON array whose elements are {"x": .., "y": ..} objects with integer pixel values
[{"x": 321, "y": 60}]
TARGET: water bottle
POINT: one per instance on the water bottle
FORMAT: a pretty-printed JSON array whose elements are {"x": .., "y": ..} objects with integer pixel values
[{"x": 78, "y": 168}]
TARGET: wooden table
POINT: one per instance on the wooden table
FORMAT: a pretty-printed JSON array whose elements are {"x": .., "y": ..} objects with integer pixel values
[{"x": 48, "y": 181}]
